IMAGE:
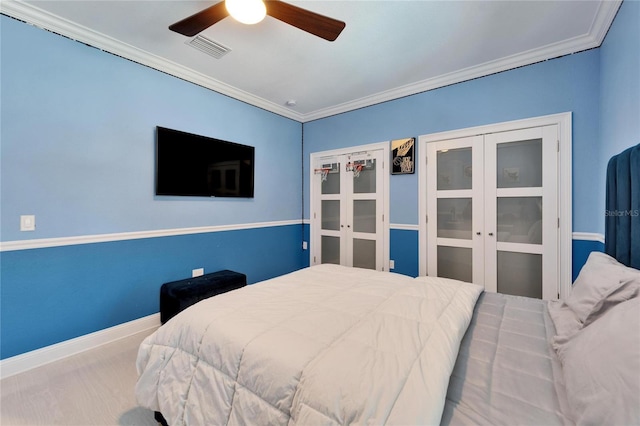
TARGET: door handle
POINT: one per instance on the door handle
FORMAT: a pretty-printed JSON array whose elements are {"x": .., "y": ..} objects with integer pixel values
[
  {"x": 491, "y": 234},
  {"x": 478, "y": 233}
]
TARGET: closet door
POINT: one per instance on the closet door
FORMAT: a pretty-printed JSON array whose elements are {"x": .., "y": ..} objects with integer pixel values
[
  {"x": 521, "y": 212},
  {"x": 329, "y": 211},
  {"x": 364, "y": 210},
  {"x": 348, "y": 216},
  {"x": 455, "y": 209}
]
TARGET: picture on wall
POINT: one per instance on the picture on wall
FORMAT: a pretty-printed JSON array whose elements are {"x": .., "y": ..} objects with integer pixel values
[{"x": 402, "y": 156}]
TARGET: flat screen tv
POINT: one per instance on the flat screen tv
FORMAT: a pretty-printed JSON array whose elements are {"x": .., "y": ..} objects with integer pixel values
[{"x": 199, "y": 166}]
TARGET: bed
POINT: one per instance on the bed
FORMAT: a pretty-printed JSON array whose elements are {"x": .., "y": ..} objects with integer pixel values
[
  {"x": 336, "y": 345},
  {"x": 331, "y": 345}
]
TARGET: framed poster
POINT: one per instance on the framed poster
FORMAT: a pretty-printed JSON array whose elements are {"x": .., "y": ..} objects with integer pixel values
[{"x": 402, "y": 156}]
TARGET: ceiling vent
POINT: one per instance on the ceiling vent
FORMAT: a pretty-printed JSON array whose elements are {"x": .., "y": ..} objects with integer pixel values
[{"x": 209, "y": 46}]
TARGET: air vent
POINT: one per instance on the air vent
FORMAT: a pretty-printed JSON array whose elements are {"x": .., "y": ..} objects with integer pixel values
[{"x": 209, "y": 46}]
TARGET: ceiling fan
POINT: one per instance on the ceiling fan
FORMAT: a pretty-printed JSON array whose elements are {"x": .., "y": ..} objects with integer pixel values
[{"x": 311, "y": 22}]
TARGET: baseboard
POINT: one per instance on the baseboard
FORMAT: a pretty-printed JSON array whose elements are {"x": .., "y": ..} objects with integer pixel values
[{"x": 27, "y": 361}]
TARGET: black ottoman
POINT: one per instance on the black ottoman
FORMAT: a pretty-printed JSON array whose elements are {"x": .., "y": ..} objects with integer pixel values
[{"x": 176, "y": 296}]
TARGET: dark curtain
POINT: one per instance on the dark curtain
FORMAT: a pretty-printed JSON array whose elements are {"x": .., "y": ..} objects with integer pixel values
[{"x": 622, "y": 225}]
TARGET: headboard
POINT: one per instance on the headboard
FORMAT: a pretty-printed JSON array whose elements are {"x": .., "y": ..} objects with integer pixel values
[{"x": 622, "y": 223}]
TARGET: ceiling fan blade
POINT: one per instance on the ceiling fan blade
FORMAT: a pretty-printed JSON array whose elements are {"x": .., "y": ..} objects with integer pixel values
[
  {"x": 311, "y": 22},
  {"x": 200, "y": 21}
]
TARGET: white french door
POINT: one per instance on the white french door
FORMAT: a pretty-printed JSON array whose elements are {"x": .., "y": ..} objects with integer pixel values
[
  {"x": 492, "y": 211},
  {"x": 347, "y": 217},
  {"x": 521, "y": 189},
  {"x": 455, "y": 214}
]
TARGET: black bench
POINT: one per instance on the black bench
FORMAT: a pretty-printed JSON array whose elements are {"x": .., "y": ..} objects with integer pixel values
[{"x": 176, "y": 296}]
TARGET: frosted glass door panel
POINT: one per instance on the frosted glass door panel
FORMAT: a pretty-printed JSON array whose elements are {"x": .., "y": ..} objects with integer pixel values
[
  {"x": 364, "y": 253},
  {"x": 365, "y": 182},
  {"x": 330, "y": 251},
  {"x": 454, "y": 169},
  {"x": 519, "y": 164},
  {"x": 454, "y": 218},
  {"x": 332, "y": 184},
  {"x": 520, "y": 220},
  {"x": 364, "y": 216},
  {"x": 520, "y": 274},
  {"x": 331, "y": 215},
  {"x": 455, "y": 263}
]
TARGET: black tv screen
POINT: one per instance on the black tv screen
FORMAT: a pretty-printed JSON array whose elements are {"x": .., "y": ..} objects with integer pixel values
[{"x": 199, "y": 166}]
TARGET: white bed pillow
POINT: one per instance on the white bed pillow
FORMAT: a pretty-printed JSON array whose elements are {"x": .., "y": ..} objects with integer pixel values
[
  {"x": 564, "y": 319},
  {"x": 602, "y": 283},
  {"x": 599, "y": 278},
  {"x": 601, "y": 368}
]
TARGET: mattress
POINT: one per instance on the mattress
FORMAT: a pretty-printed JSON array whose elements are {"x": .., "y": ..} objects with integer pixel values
[{"x": 506, "y": 372}]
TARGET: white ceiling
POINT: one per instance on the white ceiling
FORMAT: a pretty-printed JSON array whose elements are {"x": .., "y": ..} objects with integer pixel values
[{"x": 388, "y": 49}]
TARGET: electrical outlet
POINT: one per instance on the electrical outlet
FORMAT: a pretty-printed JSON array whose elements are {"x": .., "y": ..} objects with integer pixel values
[
  {"x": 392, "y": 264},
  {"x": 28, "y": 222},
  {"x": 197, "y": 272}
]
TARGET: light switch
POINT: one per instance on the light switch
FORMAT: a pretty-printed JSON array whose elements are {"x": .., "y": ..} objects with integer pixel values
[{"x": 28, "y": 222}]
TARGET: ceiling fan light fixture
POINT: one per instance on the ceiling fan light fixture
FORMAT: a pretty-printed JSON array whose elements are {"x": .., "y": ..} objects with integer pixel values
[{"x": 246, "y": 11}]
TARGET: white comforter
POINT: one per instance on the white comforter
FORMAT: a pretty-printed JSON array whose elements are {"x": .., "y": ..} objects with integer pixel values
[{"x": 324, "y": 345}]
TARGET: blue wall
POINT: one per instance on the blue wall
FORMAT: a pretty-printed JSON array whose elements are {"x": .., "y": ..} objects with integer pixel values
[
  {"x": 619, "y": 109},
  {"x": 403, "y": 249},
  {"x": 77, "y": 145},
  {"x": 78, "y": 138},
  {"x": 570, "y": 83},
  {"x": 55, "y": 294},
  {"x": 620, "y": 84}
]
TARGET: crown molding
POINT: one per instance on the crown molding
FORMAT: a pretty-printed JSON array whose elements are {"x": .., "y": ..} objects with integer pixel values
[
  {"x": 32, "y": 15},
  {"x": 594, "y": 38},
  {"x": 42, "y": 19},
  {"x": 604, "y": 18}
]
